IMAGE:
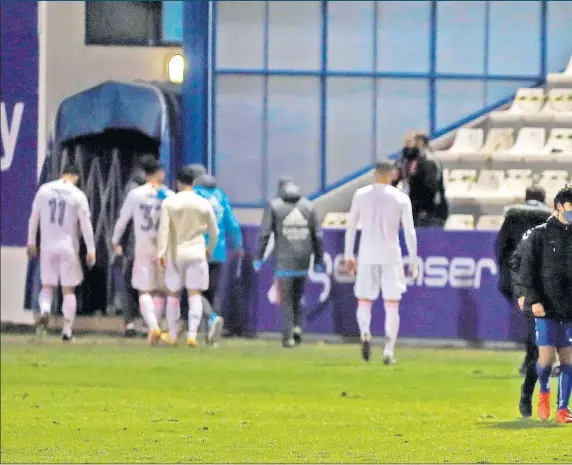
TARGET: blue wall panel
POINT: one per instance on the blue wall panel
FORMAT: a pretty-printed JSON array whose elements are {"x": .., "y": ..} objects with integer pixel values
[{"x": 559, "y": 34}]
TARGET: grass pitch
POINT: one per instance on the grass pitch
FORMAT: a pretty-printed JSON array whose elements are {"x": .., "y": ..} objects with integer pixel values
[{"x": 109, "y": 400}]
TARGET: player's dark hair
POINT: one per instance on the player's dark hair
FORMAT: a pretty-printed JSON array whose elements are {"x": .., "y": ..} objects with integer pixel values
[
  {"x": 564, "y": 196},
  {"x": 71, "y": 168},
  {"x": 385, "y": 166},
  {"x": 187, "y": 175},
  {"x": 150, "y": 165},
  {"x": 535, "y": 193}
]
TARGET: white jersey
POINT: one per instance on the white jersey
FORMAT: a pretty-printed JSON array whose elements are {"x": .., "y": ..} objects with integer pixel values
[
  {"x": 58, "y": 208},
  {"x": 380, "y": 209},
  {"x": 143, "y": 206}
]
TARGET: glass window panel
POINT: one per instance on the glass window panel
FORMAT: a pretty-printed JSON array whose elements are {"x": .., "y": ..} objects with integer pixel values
[
  {"x": 350, "y": 36},
  {"x": 295, "y": 35},
  {"x": 514, "y": 38},
  {"x": 500, "y": 90},
  {"x": 350, "y": 143},
  {"x": 461, "y": 30},
  {"x": 559, "y": 31},
  {"x": 458, "y": 99},
  {"x": 403, "y": 31},
  {"x": 402, "y": 106},
  {"x": 172, "y": 19},
  {"x": 294, "y": 131},
  {"x": 240, "y": 35},
  {"x": 239, "y": 135}
]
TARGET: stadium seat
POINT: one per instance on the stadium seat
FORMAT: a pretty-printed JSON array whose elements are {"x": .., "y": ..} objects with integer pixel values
[
  {"x": 561, "y": 78},
  {"x": 529, "y": 145},
  {"x": 460, "y": 223},
  {"x": 467, "y": 141},
  {"x": 488, "y": 186},
  {"x": 559, "y": 145},
  {"x": 490, "y": 223},
  {"x": 498, "y": 139},
  {"x": 513, "y": 188},
  {"x": 558, "y": 108},
  {"x": 335, "y": 220},
  {"x": 460, "y": 183},
  {"x": 526, "y": 101},
  {"x": 552, "y": 181}
]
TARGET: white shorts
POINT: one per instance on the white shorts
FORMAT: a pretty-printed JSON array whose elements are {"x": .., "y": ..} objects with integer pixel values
[
  {"x": 147, "y": 274},
  {"x": 370, "y": 279},
  {"x": 60, "y": 267},
  {"x": 192, "y": 275}
]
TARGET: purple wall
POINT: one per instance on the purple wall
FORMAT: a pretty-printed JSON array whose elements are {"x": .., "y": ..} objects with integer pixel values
[
  {"x": 454, "y": 297},
  {"x": 19, "y": 91}
]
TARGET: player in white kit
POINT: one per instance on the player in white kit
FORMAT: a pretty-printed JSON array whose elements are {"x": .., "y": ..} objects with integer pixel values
[
  {"x": 143, "y": 206},
  {"x": 380, "y": 208},
  {"x": 183, "y": 251},
  {"x": 57, "y": 209}
]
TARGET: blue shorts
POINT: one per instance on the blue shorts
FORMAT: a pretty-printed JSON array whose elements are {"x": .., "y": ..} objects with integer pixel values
[{"x": 552, "y": 333}]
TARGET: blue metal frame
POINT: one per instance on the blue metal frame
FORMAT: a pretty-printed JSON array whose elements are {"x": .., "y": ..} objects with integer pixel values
[{"x": 323, "y": 74}]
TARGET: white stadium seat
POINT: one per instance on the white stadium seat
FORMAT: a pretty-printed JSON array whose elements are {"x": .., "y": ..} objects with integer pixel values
[
  {"x": 460, "y": 183},
  {"x": 561, "y": 78},
  {"x": 559, "y": 144},
  {"x": 513, "y": 188},
  {"x": 467, "y": 141},
  {"x": 552, "y": 181},
  {"x": 335, "y": 220},
  {"x": 490, "y": 222},
  {"x": 460, "y": 223},
  {"x": 488, "y": 186},
  {"x": 498, "y": 140},
  {"x": 529, "y": 145},
  {"x": 559, "y": 103},
  {"x": 526, "y": 102}
]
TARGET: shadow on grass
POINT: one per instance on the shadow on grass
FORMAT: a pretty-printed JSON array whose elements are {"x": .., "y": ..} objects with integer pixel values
[{"x": 522, "y": 424}]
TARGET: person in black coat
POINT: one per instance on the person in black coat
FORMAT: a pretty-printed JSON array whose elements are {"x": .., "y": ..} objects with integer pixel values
[
  {"x": 518, "y": 220},
  {"x": 545, "y": 274},
  {"x": 421, "y": 174}
]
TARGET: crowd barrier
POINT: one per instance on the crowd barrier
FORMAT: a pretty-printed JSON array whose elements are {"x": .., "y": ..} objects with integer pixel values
[{"x": 454, "y": 297}]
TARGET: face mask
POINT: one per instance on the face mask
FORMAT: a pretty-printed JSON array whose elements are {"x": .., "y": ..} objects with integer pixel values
[
  {"x": 567, "y": 216},
  {"x": 410, "y": 153}
]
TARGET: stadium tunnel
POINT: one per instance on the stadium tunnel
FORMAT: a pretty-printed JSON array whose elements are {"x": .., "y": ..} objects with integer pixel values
[{"x": 104, "y": 130}]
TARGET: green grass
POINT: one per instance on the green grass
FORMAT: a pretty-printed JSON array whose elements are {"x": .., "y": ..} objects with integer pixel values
[{"x": 108, "y": 400}]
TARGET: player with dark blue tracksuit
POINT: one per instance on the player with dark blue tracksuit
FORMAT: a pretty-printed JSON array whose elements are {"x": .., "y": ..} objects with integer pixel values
[{"x": 546, "y": 279}]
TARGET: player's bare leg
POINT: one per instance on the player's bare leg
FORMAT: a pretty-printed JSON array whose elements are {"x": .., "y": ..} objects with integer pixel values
[
  {"x": 173, "y": 318},
  {"x": 69, "y": 309},
  {"x": 564, "y": 415},
  {"x": 45, "y": 302},
  {"x": 195, "y": 316},
  {"x": 147, "y": 308},
  {"x": 544, "y": 368},
  {"x": 391, "y": 330},
  {"x": 363, "y": 315}
]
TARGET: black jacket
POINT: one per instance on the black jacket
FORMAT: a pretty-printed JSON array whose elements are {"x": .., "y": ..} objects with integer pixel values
[
  {"x": 546, "y": 268},
  {"x": 423, "y": 181},
  {"x": 518, "y": 220},
  {"x": 296, "y": 228}
]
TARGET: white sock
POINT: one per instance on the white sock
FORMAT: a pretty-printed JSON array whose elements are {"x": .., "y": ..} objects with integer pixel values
[
  {"x": 45, "y": 300},
  {"x": 69, "y": 309},
  {"x": 148, "y": 311},
  {"x": 159, "y": 306},
  {"x": 173, "y": 316},
  {"x": 391, "y": 326},
  {"x": 195, "y": 314},
  {"x": 364, "y": 318}
]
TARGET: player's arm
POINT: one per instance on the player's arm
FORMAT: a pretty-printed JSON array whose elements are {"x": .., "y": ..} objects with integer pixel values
[
  {"x": 213, "y": 231},
  {"x": 266, "y": 230},
  {"x": 125, "y": 216},
  {"x": 351, "y": 230},
  {"x": 409, "y": 230},
  {"x": 232, "y": 226},
  {"x": 33, "y": 225},
  {"x": 163, "y": 233},
  {"x": 514, "y": 267},
  {"x": 84, "y": 216},
  {"x": 317, "y": 238},
  {"x": 503, "y": 244},
  {"x": 530, "y": 266}
]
